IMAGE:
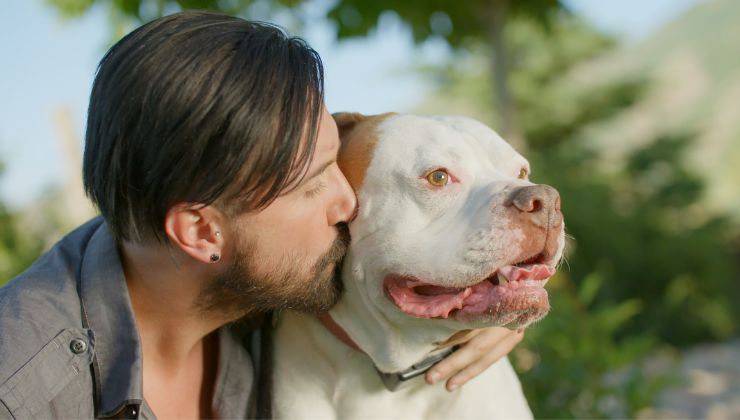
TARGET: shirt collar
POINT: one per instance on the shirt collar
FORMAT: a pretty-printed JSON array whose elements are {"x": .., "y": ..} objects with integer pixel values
[
  {"x": 234, "y": 378},
  {"x": 107, "y": 308},
  {"x": 118, "y": 368}
]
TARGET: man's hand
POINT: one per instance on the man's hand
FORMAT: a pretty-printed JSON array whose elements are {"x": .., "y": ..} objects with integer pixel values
[{"x": 486, "y": 347}]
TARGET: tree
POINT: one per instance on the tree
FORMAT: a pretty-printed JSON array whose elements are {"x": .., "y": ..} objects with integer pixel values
[{"x": 460, "y": 23}]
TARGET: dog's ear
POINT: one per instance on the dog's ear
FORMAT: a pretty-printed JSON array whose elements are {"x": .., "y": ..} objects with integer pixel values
[
  {"x": 358, "y": 137},
  {"x": 346, "y": 122}
]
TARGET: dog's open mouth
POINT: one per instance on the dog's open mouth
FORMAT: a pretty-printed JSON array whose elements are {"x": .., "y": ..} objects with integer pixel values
[{"x": 511, "y": 293}]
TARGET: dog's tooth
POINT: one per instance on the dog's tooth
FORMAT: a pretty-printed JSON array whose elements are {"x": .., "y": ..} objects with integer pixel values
[{"x": 502, "y": 279}]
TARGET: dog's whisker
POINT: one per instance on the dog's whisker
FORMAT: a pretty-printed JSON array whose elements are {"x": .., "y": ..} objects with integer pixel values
[{"x": 565, "y": 261}]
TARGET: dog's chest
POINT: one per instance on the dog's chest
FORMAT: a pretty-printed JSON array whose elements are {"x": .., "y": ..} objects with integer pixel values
[{"x": 317, "y": 376}]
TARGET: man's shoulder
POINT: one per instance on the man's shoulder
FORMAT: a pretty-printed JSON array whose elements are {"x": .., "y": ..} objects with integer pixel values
[{"x": 41, "y": 305}]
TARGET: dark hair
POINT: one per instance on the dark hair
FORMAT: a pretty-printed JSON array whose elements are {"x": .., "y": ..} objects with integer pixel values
[{"x": 199, "y": 107}]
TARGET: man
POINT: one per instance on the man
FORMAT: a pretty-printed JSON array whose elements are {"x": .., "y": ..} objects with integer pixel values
[{"x": 212, "y": 160}]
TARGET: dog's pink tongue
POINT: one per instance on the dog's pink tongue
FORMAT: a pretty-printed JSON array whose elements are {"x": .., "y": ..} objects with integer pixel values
[
  {"x": 426, "y": 306},
  {"x": 428, "y": 301},
  {"x": 527, "y": 272}
]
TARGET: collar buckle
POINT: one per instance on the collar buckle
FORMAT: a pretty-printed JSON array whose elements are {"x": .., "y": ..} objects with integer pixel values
[{"x": 394, "y": 380}]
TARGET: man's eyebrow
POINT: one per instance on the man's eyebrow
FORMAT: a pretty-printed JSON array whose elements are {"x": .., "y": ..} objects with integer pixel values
[
  {"x": 322, "y": 168},
  {"x": 319, "y": 170}
]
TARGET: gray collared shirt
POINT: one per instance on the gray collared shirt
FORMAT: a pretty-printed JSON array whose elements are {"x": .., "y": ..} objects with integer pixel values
[{"x": 69, "y": 347}]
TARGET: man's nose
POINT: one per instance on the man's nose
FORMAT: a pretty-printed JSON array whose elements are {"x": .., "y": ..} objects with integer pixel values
[
  {"x": 345, "y": 205},
  {"x": 538, "y": 203}
]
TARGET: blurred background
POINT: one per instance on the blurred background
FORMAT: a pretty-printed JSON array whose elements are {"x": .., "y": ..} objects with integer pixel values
[{"x": 631, "y": 109}]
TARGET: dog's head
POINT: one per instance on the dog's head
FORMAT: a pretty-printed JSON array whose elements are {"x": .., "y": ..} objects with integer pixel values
[{"x": 449, "y": 227}]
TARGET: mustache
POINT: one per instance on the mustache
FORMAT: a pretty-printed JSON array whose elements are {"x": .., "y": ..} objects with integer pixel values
[{"x": 338, "y": 249}]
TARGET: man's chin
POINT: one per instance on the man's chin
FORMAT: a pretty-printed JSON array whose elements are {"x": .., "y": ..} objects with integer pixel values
[
  {"x": 326, "y": 295},
  {"x": 327, "y": 282}
]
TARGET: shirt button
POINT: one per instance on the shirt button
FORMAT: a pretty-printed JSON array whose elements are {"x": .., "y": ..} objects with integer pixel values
[
  {"x": 131, "y": 412},
  {"x": 78, "y": 346}
]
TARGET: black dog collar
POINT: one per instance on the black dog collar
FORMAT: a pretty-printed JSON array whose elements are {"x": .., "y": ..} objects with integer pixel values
[{"x": 394, "y": 380}]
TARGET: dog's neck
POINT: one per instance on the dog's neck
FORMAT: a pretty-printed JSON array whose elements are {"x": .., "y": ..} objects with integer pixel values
[{"x": 393, "y": 346}]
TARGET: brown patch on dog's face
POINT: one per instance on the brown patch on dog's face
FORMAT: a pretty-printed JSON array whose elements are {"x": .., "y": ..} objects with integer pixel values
[{"x": 358, "y": 135}]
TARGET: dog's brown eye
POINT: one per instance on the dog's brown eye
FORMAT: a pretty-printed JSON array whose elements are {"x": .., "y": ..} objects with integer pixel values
[
  {"x": 438, "y": 178},
  {"x": 523, "y": 173}
]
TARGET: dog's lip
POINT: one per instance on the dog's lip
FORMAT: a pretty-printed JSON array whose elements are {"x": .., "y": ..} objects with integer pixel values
[{"x": 421, "y": 299}]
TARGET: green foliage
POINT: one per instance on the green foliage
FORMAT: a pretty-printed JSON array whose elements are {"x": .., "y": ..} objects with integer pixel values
[
  {"x": 18, "y": 248},
  {"x": 642, "y": 228},
  {"x": 454, "y": 21},
  {"x": 572, "y": 365},
  {"x": 145, "y": 10}
]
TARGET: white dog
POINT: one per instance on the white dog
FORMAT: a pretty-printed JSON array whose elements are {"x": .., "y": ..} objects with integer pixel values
[{"x": 450, "y": 235}]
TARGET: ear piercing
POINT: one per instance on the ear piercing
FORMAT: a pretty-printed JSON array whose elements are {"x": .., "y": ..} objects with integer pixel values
[{"x": 215, "y": 257}]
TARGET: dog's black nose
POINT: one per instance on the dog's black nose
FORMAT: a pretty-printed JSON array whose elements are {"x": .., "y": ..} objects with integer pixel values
[{"x": 541, "y": 203}]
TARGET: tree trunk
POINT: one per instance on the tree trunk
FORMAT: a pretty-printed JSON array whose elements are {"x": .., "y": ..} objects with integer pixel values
[{"x": 503, "y": 103}]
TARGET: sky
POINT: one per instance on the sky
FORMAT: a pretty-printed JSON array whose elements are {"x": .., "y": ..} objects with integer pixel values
[{"x": 47, "y": 64}]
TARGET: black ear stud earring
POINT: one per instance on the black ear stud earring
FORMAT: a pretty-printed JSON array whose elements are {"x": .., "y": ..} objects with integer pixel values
[{"x": 215, "y": 257}]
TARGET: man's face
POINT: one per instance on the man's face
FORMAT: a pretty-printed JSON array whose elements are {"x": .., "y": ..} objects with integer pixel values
[{"x": 286, "y": 255}]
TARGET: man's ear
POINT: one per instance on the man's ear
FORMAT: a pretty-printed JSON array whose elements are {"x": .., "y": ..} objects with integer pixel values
[
  {"x": 196, "y": 230},
  {"x": 346, "y": 122}
]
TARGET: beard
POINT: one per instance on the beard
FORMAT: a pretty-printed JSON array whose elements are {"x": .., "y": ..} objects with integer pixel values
[{"x": 240, "y": 292}]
